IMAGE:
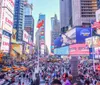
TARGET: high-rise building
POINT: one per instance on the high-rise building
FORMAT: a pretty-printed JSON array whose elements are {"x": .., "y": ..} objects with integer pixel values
[
  {"x": 29, "y": 25},
  {"x": 55, "y": 32},
  {"x": 0, "y": 10},
  {"x": 98, "y": 3},
  {"x": 40, "y": 35},
  {"x": 29, "y": 20},
  {"x": 83, "y": 12},
  {"x": 19, "y": 18},
  {"x": 65, "y": 12},
  {"x": 28, "y": 8}
]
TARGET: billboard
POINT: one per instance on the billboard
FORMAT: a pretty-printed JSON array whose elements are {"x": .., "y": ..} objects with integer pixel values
[
  {"x": 27, "y": 48},
  {"x": 98, "y": 15},
  {"x": 13, "y": 37},
  {"x": 9, "y": 4},
  {"x": 97, "y": 52},
  {"x": 79, "y": 49},
  {"x": 82, "y": 34},
  {"x": 7, "y": 20},
  {"x": 25, "y": 36},
  {"x": 16, "y": 49},
  {"x": 95, "y": 40},
  {"x": 62, "y": 50},
  {"x": 5, "y": 44}
]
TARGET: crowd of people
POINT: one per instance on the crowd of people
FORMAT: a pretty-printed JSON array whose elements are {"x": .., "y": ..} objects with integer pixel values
[
  {"x": 56, "y": 73},
  {"x": 59, "y": 73}
]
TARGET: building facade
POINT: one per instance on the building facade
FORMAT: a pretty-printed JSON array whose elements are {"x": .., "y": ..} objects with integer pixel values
[
  {"x": 28, "y": 8},
  {"x": 98, "y": 2},
  {"x": 29, "y": 20},
  {"x": 55, "y": 32},
  {"x": 40, "y": 35},
  {"x": 29, "y": 25},
  {"x": 19, "y": 18},
  {"x": 65, "y": 12},
  {"x": 85, "y": 12}
]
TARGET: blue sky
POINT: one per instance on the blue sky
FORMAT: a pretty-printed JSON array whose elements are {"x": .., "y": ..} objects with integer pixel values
[{"x": 49, "y": 8}]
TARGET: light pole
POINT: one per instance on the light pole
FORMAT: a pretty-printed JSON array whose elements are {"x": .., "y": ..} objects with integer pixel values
[{"x": 93, "y": 52}]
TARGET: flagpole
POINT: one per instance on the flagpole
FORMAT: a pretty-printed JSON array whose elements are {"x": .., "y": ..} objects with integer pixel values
[
  {"x": 38, "y": 54},
  {"x": 93, "y": 52}
]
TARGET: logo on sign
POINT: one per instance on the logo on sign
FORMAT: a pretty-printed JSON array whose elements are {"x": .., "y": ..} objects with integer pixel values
[
  {"x": 8, "y": 21},
  {"x": 11, "y": 1},
  {"x": 85, "y": 32},
  {"x": 5, "y": 43}
]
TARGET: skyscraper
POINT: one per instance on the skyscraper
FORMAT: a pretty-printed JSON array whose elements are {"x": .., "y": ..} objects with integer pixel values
[
  {"x": 29, "y": 25},
  {"x": 19, "y": 18},
  {"x": 98, "y": 2},
  {"x": 29, "y": 20},
  {"x": 83, "y": 12},
  {"x": 28, "y": 8},
  {"x": 40, "y": 35},
  {"x": 55, "y": 32},
  {"x": 65, "y": 12}
]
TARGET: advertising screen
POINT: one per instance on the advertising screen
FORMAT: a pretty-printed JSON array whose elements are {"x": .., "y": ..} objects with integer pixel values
[
  {"x": 7, "y": 20},
  {"x": 25, "y": 36},
  {"x": 98, "y": 15},
  {"x": 93, "y": 41},
  {"x": 97, "y": 53},
  {"x": 62, "y": 50},
  {"x": 79, "y": 49},
  {"x": 82, "y": 34},
  {"x": 9, "y": 4},
  {"x": 5, "y": 43}
]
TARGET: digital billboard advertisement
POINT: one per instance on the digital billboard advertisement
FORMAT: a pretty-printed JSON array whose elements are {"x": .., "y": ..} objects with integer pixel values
[
  {"x": 98, "y": 15},
  {"x": 79, "y": 49},
  {"x": 9, "y": 4},
  {"x": 97, "y": 52},
  {"x": 25, "y": 36},
  {"x": 62, "y": 50},
  {"x": 82, "y": 34},
  {"x": 7, "y": 20},
  {"x": 93, "y": 41},
  {"x": 5, "y": 44}
]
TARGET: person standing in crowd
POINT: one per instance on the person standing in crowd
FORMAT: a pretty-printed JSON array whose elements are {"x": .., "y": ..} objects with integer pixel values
[{"x": 56, "y": 82}]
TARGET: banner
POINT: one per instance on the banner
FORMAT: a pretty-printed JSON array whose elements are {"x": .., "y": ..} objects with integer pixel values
[
  {"x": 79, "y": 49},
  {"x": 27, "y": 48},
  {"x": 5, "y": 44},
  {"x": 7, "y": 20},
  {"x": 98, "y": 15},
  {"x": 62, "y": 50},
  {"x": 93, "y": 41},
  {"x": 82, "y": 34},
  {"x": 58, "y": 42},
  {"x": 13, "y": 37},
  {"x": 9, "y": 4},
  {"x": 25, "y": 36},
  {"x": 97, "y": 52}
]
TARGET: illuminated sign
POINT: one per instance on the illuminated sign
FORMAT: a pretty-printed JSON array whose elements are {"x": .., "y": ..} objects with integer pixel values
[
  {"x": 82, "y": 34},
  {"x": 85, "y": 32},
  {"x": 25, "y": 36},
  {"x": 79, "y": 49},
  {"x": 5, "y": 43},
  {"x": 7, "y": 20},
  {"x": 9, "y": 4}
]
